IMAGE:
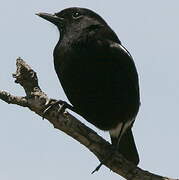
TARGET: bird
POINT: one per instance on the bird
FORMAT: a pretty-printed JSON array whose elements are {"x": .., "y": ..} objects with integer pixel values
[{"x": 98, "y": 75}]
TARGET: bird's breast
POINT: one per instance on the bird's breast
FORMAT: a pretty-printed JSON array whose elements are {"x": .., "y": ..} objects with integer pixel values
[{"x": 97, "y": 89}]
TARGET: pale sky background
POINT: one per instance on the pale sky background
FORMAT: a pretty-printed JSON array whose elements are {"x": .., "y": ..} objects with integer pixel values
[{"x": 30, "y": 147}]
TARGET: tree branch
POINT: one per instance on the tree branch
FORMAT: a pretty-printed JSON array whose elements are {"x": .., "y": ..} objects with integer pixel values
[{"x": 36, "y": 100}]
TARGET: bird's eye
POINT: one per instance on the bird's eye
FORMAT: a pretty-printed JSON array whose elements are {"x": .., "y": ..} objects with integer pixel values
[{"x": 75, "y": 15}]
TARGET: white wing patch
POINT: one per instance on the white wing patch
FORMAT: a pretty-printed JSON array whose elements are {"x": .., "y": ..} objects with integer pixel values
[
  {"x": 116, "y": 131},
  {"x": 120, "y": 130}
]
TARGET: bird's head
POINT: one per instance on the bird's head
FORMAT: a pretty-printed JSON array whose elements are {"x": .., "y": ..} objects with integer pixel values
[{"x": 74, "y": 19}]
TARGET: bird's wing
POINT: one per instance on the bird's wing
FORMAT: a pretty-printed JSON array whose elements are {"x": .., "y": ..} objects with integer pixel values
[
  {"x": 126, "y": 74},
  {"x": 126, "y": 63},
  {"x": 121, "y": 136}
]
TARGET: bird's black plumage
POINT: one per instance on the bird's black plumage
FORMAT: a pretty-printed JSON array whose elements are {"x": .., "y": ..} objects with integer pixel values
[{"x": 97, "y": 74}]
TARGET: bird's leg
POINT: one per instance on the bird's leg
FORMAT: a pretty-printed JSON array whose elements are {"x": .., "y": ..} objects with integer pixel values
[{"x": 61, "y": 109}]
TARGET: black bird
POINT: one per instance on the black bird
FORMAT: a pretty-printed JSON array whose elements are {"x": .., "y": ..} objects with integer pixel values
[{"x": 97, "y": 74}]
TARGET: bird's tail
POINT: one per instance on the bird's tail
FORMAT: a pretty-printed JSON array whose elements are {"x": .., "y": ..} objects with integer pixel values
[{"x": 127, "y": 146}]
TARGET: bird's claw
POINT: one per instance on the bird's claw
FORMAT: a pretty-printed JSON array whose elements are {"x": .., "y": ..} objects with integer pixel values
[
  {"x": 52, "y": 106},
  {"x": 61, "y": 110}
]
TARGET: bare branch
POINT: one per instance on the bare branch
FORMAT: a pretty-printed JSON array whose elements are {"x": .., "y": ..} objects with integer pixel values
[
  {"x": 36, "y": 101},
  {"x": 10, "y": 99}
]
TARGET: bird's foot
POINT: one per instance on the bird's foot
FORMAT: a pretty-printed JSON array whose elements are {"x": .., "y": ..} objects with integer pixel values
[
  {"x": 61, "y": 109},
  {"x": 111, "y": 152}
]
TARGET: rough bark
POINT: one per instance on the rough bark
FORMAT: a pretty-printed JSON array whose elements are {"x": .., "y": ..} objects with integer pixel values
[{"x": 36, "y": 100}]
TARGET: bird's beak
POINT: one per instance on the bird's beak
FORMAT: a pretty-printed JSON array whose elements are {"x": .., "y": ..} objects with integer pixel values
[{"x": 51, "y": 18}]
